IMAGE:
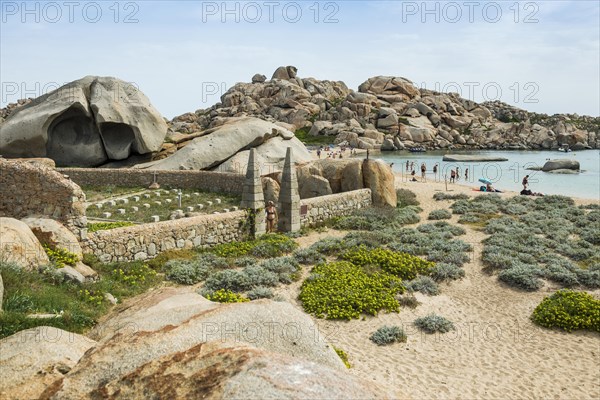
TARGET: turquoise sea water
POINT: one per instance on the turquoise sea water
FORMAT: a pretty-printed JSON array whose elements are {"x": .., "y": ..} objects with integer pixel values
[{"x": 507, "y": 175}]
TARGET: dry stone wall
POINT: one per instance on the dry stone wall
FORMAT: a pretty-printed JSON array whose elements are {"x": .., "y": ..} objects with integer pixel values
[
  {"x": 202, "y": 180},
  {"x": 35, "y": 189},
  {"x": 318, "y": 209},
  {"x": 146, "y": 241}
]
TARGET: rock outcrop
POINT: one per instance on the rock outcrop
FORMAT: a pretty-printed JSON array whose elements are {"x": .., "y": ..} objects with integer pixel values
[
  {"x": 84, "y": 123},
  {"x": 54, "y": 234},
  {"x": 562, "y": 164},
  {"x": 471, "y": 158},
  {"x": 34, "y": 359},
  {"x": 391, "y": 113},
  {"x": 226, "y": 148},
  {"x": 174, "y": 343},
  {"x": 20, "y": 246},
  {"x": 327, "y": 176}
]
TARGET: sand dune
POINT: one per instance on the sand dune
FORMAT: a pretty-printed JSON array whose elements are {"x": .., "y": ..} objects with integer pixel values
[{"x": 495, "y": 352}]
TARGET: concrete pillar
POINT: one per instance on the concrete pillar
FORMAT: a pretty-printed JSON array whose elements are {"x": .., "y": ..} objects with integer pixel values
[
  {"x": 253, "y": 199},
  {"x": 289, "y": 199}
]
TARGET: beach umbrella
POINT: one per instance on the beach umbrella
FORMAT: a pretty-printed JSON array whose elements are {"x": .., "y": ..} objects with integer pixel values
[{"x": 486, "y": 181}]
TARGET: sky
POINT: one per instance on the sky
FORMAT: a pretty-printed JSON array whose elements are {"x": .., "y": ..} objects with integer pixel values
[{"x": 542, "y": 56}]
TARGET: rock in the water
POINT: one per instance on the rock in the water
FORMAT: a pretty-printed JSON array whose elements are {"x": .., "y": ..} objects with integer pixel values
[
  {"x": 472, "y": 158},
  {"x": 34, "y": 359},
  {"x": 379, "y": 178},
  {"x": 84, "y": 123},
  {"x": 564, "y": 171},
  {"x": 53, "y": 233},
  {"x": 561, "y": 164},
  {"x": 19, "y": 245},
  {"x": 218, "y": 370}
]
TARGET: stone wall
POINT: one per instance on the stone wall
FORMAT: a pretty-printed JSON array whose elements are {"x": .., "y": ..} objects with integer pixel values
[
  {"x": 146, "y": 241},
  {"x": 34, "y": 188},
  {"x": 202, "y": 180},
  {"x": 319, "y": 209}
]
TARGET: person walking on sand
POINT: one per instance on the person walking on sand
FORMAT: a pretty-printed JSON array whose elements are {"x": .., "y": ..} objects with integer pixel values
[
  {"x": 525, "y": 182},
  {"x": 407, "y": 165},
  {"x": 435, "y": 171},
  {"x": 466, "y": 174},
  {"x": 452, "y": 176},
  {"x": 423, "y": 171},
  {"x": 271, "y": 216},
  {"x": 457, "y": 174}
]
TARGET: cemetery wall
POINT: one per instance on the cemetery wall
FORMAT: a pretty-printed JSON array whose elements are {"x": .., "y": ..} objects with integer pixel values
[
  {"x": 202, "y": 180},
  {"x": 319, "y": 209}
]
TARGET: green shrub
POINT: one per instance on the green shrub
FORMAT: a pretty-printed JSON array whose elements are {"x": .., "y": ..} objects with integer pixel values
[
  {"x": 186, "y": 272},
  {"x": 442, "y": 272},
  {"x": 387, "y": 335},
  {"x": 19, "y": 302},
  {"x": 233, "y": 249},
  {"x": 455, "y": 257},
  {"x": 133, "y": 273},
  {"x": 245, "y": 262},
  {"x": 368, "y": 239},
  {"x": 589, "y": 278},
  {"x": 407, "y": 216},
  {"x": 260, "y": 292},
  {"x": 226, "y": 296},
  {"x": 450, "y": 196},
  {"x": 308, "y": 256},
  {"x": 158, "y": 263},
  {"x": 342, "y": 290},
  {"x": 522, "y": 276},
  {"x": 408, "y": 300},
  {"x": 568, "y": 310},
  {"x": 423, "y": 284},
  {"x": 442, "y": 228},
  {"x": 343, "y": 356},
  {"x": 228, "y": 279},
  {"x": 102, "y": 226},
  {"x": 406, "y": 198},
  {"x": 439, "y": 214},
  {"x": 60, "y": 257},
  {"x": 258, "y": 275},
  {"x": 269, "y": 245},
  {"x": 556, "y": 271},
  {"x": 433, "y": 323},
  {"x": 286, "y": 268},
  {"x": 401, "y": 265},
  {"x": 328, "y": 246}
]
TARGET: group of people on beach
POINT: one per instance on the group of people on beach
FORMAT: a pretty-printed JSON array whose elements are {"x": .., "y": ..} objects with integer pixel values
[
  {"x": 454, "y": 173},
  {"x": 332, "y": 153}
]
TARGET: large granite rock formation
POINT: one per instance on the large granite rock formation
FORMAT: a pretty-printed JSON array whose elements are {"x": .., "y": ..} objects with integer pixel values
[
  {"x": 391, "y": 113},
  {"x": 34, "y": 359},
  {"x": 226, "y": 148},
  {"x": 173, "y": 343},
  {"x": 84, "y": 123}
]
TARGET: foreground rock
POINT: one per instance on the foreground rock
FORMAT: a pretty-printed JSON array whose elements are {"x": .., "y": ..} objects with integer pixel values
[
  {"x": 84, "y": 123},
  {"x": 158, "y": 326},
  {"x": 54, "y": 234},
  {"x": 19, "y": 245},
  {"x": 226, "y": 148},
  {"x": 561, "y": 164},
  {"x": 34, "y": 359},
  {"x": 471, "y": 158},
  {"x": 217, "y": 370}
]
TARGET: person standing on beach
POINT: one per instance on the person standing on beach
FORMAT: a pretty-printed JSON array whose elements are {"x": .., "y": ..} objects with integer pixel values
[
  {"x": 423, "y": 171},
  {"x": 452, "y": 176},
  {"x": 407, "y": 164},
  {"x": 525, "y": 182},
  {"x": 466, "y": 174},
  {"x": 271, "y": 216},
  {"x": 435, "y": 167},
  {"x": 457, "y": 174}
]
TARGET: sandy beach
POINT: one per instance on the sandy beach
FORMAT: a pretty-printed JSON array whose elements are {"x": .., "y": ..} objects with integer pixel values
[{"x": 495, "y": 351}]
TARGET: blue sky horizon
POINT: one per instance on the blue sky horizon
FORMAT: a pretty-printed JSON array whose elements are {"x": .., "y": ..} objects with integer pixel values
[{"x": 542, "y": 56}]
